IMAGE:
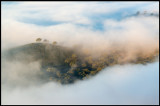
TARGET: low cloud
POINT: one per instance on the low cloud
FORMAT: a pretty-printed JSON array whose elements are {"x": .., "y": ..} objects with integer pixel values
[
  {"x": 120, "y": 84},
  {"x": 132, "y": 36},
  {"x": 126, "y": 84}
]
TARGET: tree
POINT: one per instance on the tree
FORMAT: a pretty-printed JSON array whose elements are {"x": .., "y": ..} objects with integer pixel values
[
  {"x": 93, "y": 72},
  {"x": 137, "y": 13},
  {"x": 71, "y": 60},
  {"x": 99, "y": 69},
  {"x": 151, "y": 14},
  {"x": 38, "y": 39},
  {"x": 84, "y": 65},
  {"x": 58, "y": 74},
  {"x": 54, "y": 43},
  {"x": 45, "y": 40}
]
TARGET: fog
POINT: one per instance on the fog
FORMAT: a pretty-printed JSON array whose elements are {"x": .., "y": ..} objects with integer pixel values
[
  {"x": 126, "y": 84},
  {"x": 133, "y": 35},
  {"x": 118, "y": 84}
]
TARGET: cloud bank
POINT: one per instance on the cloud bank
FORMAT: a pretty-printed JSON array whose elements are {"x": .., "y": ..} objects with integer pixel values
[
  {"x": 126, "y": 84},
  {"x": 71, "y": 24}
]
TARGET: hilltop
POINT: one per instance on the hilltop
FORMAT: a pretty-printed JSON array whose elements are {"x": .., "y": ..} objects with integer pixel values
[{"x": 65, "y": 65}]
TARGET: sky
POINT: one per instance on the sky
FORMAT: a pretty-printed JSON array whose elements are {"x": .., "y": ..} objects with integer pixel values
[
  {"x": 84, "y": 14},
  {"x": 95, "y": 25}
]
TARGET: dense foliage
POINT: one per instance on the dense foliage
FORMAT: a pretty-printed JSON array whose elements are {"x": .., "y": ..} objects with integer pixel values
[{"x": 66, "y": 65}]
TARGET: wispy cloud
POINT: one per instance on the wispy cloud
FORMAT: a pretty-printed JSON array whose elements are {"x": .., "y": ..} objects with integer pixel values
[
  {"x": 72, "y": 12},
  {"x": 98, "y": 26}
]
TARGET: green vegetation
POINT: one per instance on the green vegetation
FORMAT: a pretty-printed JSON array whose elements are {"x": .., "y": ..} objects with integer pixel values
[
  {"x": 65, "y": 65},
  {"x": 54, "y": 43},
  {"x": 38, "y": 39}
]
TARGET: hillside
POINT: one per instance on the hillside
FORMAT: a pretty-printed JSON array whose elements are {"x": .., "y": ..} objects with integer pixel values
[{"x": 66, "y": 65}]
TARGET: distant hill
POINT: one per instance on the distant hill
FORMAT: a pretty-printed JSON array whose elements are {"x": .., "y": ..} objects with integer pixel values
[
  {"x": 66, "y": 65},
  {"x": 144, "y": 14}
]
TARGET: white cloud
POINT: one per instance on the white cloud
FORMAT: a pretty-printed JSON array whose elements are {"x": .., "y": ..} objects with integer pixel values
[
  {"x": 133, "y": 34},
  {"x": 73, "y": 12},
  {"x": 129, "y": 84}
]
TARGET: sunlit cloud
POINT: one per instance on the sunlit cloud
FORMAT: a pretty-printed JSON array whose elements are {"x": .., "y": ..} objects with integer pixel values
[{"x": 96, "y": 26}]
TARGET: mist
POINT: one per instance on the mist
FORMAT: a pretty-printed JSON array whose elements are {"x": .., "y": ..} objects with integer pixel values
[
  {"x": 134, "y": 35},
  {"x": 126, "y": 84},
  {"x": 72, "y": 25}
]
